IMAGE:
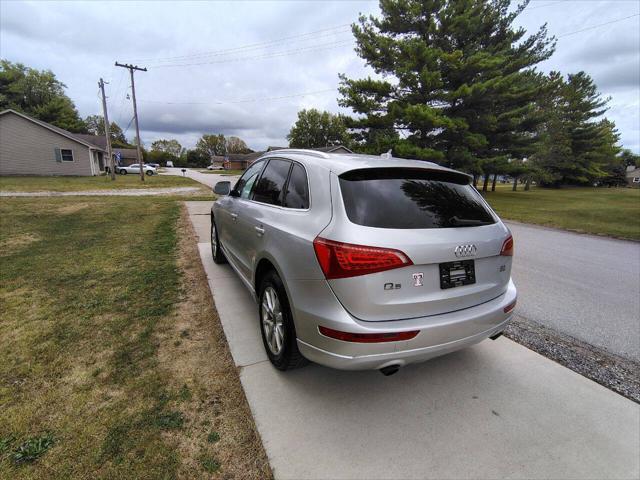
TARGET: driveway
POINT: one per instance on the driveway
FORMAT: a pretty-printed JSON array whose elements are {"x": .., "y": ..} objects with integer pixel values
[
  {"x": 208, "y": 179},
  {"x": 494, "y": 410}
]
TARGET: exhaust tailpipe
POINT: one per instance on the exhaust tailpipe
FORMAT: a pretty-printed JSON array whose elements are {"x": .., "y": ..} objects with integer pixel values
[{"x": 389, "y": 370}]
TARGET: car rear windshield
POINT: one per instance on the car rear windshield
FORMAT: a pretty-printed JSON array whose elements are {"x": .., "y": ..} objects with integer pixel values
[{"x": 412, "y": 198}]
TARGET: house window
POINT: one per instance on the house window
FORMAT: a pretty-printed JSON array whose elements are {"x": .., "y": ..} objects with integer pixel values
[
  {"x": 67, "y": 155},
  {"x": 636, "y": 179}
]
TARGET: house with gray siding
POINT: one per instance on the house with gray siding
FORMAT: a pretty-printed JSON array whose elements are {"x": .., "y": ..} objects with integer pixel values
[{"x": 33, "y": 147}]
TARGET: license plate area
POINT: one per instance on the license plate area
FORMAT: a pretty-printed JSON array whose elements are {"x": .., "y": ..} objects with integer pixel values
[{"x": 456, "y": 274}]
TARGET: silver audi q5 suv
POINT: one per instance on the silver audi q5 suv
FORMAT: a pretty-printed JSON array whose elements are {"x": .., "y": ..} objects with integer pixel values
[{"x": 364, "y": 262}]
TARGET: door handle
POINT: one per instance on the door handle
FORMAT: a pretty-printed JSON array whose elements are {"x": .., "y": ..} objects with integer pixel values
[
  {"x": 259, "y": 231},
  {"x": 234, "y": 216}
]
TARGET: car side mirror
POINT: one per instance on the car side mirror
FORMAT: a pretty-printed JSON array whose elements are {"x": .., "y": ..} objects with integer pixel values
[{"x": 222, "y": 188}]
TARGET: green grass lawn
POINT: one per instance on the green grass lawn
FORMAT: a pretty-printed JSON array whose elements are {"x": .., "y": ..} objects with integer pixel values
[
  {"x": 104, "y": 182},
  {"x": 603, "y": 211},
  {"x": 113, "y": 363}
]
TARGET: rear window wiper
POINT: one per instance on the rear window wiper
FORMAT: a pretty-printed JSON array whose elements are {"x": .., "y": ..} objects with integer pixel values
[{"x": 467, "y": 222}]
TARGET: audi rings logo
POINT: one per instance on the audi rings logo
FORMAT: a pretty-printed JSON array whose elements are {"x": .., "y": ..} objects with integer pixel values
[{"x": 465, "y": 251}]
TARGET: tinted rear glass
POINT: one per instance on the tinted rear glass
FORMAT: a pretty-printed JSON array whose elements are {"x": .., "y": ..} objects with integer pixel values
[
  {"x": 297, "y": 193},
  {"x": 412, "y": 198}
]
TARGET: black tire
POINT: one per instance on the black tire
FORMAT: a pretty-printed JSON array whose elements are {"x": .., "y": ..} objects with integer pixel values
[
  {"x": 123, "y": 171},
  {"x": 289, "y": 357},
  {"x": 216, "y": 251},
  {"x": 149, "y": 173}
]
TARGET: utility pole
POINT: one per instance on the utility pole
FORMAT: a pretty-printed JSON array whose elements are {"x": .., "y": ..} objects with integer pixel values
[
  {"x": 112, "y": 169},
  {"x": 135, "y": 112}
]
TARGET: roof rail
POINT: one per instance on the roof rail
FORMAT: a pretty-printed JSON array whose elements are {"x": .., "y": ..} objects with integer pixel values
[{"x": 301, "y": 151}]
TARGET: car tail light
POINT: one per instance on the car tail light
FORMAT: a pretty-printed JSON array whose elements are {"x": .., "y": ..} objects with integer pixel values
[
  {"x": 510, "y": 307},
  {"x": 368, "y": 337},
  {"x": 507, "y": 247},
  {"x": 341, "y": 260}
]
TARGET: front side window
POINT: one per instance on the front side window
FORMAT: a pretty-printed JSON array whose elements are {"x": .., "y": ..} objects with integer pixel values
[
  {"x": 244, "y": 185},
  {"x": 270, "y": 187},
  {"x": 297, "y": 195},
  {"x": 67, "y": 155},
  {"x": 406, "y": 198},
  {"x": 636, "y": 179}
]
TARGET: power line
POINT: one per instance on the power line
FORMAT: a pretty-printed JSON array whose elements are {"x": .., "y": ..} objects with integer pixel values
[
  {"x": 544, "y": 5},
  {"x": 243, "y": 47},
  {"x": 314, "y": 48},
  {"x": 244, "y": 100},
  {"x": 334, "y": 35},
  {"x": 598, "y": 26},
  {"x": 128, "y": 125}
]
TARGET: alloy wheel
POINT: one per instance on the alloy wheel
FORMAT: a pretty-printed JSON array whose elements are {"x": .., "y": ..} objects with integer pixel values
[
  {"x": 272, "y": 321},
  {"x": 214, "y": 239}
]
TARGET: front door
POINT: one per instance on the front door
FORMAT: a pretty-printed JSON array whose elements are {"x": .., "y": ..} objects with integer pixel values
[
  {"x": 252, "y": 225},
  {"x": 229, "y": 230}
]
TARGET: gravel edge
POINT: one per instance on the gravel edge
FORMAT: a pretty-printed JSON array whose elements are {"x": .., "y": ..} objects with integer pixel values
[{"x": 609, "y": 370}]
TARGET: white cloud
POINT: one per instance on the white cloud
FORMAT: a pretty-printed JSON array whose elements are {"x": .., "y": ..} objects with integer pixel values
[{"x": 81, "y": 41}]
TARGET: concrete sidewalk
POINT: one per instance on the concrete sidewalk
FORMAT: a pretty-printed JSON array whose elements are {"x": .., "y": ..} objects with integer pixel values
[{"x": 496, "y": 410}]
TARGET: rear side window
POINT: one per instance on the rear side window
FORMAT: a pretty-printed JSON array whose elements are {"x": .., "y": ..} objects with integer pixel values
[
  {"x": 412, "y": 198},
  {"x": 297, "y": 189},
  {"x": 270, "y": 186}
]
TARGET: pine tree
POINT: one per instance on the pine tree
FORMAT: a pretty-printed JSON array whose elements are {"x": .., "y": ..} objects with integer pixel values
[
  {"x": 456, "y": 80},
  {"x": 575, "y": 147}
]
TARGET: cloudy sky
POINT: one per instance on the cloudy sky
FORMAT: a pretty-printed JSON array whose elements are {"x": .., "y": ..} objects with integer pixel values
[{"x": 246, "y": 68}]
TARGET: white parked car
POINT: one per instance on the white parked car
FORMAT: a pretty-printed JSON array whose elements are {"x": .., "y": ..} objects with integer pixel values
[
  {"x": 169, "y": 164},
  {"x": 135, "y": 168},
  {"x": 210, "y": 167}
]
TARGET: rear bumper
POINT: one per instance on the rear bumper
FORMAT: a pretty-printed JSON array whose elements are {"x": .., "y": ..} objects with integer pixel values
[{"x": 439, "y": 334}]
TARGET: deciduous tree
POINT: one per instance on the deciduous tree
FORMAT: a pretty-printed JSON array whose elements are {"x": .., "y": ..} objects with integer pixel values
[
  {"x": 318, "y": 129},
  {"x": 95, "y": 125},
  {"x": 171, "y": 147},
  {"x": 237, "y": 145},
  {"x": 211, "y": 145},
  {"x": 38, "y": 93}
]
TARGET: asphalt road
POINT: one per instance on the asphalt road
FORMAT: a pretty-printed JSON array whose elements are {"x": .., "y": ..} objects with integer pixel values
[
  {"x": 581, "y": 285},
  {"x": 208, "y": 179},
  {"x": 585, "y": 286}
]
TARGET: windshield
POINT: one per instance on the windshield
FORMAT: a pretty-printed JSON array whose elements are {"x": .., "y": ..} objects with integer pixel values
[{"x": 406, "y": 198}]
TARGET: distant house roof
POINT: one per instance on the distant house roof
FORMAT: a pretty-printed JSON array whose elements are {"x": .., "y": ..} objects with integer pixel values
[
  {"x": 97, "y": 140},
  {"x": 238, "y": 157},
  {"x": 53, "y": 128},
  {"x": 127, "y": 152}
]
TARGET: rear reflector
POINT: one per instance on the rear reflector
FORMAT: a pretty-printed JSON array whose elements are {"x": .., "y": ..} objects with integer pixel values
[
  {"x": 367, "y": 337},
  {"x": 507, "y": 247},
  {"x": 342, "y": 260},
  {"x": 510, "y": 307}
]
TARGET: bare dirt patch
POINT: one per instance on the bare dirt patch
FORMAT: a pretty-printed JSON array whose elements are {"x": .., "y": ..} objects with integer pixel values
[
  {"x": 219, "y": 435},
  {"x": 71, "y": 208},
  {"x": 17, "y": 242}
]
